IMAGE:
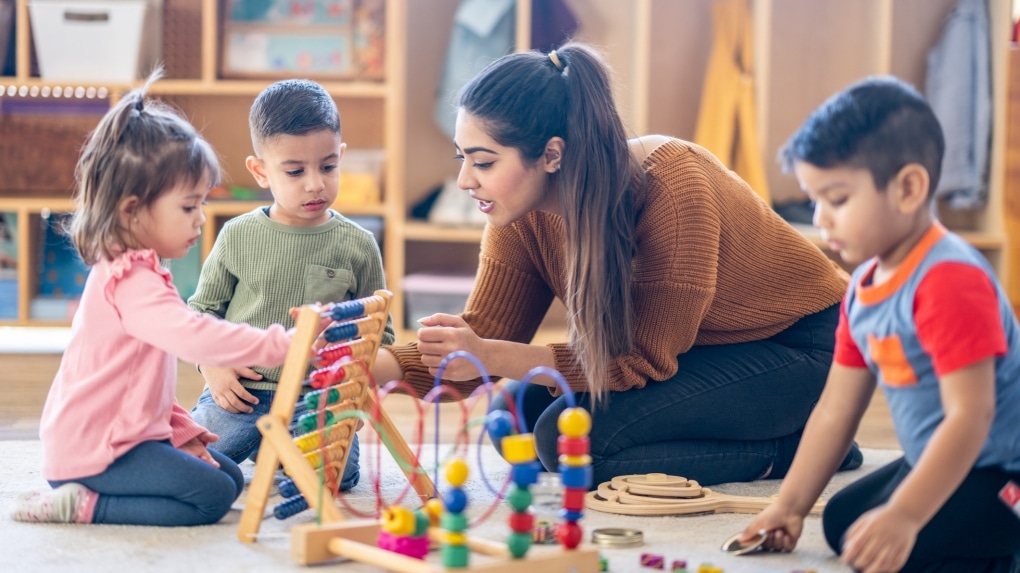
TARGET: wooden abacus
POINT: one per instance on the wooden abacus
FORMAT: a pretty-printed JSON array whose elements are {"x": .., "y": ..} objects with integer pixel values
[{"x": 345, "y": 386}]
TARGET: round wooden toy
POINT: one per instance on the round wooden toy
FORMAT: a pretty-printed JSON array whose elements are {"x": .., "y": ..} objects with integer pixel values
[{"x": 661, "y": 494}]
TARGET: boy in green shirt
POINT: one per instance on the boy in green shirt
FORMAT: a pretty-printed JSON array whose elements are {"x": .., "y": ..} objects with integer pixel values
[{"x": 295, "y": 252}]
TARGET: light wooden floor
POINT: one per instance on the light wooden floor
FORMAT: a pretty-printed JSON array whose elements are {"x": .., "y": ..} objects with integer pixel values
[{"x": 25, "y": 379}]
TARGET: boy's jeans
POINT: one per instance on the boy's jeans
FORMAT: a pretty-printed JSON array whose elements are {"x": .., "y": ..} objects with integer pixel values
[{"x": 240, "y": 437}]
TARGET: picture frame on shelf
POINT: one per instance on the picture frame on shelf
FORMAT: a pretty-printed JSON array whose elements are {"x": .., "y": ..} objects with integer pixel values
[{"x": 315, "y": 39}]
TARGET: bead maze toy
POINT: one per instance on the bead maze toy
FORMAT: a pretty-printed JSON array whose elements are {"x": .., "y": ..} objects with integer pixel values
[
  {"x": 342, "y": 385},
  {"x": 661, "y": 494},
  {"x": 394, "y": 542}
]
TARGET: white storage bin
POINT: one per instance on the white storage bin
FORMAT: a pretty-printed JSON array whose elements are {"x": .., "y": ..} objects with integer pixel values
[
  {"x": 97, "y": 41},
  {"x": 429, "y": 293}
]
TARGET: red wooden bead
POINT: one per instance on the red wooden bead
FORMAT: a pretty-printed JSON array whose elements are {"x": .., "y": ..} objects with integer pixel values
[
  {"x": 569, "y": 534},
  {"x": 573, "y": 498},
  {"x": 567, "y": 446},
  {"x": 522, "y": 522}
]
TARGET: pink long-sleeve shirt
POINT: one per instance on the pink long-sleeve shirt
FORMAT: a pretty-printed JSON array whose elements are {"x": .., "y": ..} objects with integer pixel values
[{"x": 116, "y": 384}]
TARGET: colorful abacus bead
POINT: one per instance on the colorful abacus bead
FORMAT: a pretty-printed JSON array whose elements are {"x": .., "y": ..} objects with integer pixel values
[
  {"x": 290, "y": 507},
  {"x": 573, "y": 446},
  {"x": 334, "y": 352},
  {"x": 402, "y": 533},
  {"x": 519, "y": 450},
  {"x": 454, "y": 550}
]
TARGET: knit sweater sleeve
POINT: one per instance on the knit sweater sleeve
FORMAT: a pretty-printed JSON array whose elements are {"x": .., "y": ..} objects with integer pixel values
[{"x": 215, "y": 283}]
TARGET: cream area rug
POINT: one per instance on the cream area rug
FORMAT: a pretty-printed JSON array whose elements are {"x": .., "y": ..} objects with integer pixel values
[{"x": 97, "y": 548}]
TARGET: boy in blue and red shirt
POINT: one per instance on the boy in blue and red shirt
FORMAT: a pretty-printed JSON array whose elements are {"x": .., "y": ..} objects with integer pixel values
[{"x": 925, "y": 319}]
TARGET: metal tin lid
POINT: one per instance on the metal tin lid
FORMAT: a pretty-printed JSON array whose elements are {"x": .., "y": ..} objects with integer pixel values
[
  {"x": 617, "y": 537},
  {"x": 734, "y": 546}
]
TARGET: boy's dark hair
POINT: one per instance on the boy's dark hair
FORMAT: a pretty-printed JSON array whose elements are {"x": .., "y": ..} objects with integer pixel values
[
  {"x": 880, "y": 124},
  {"x": 291, "y": 107}
]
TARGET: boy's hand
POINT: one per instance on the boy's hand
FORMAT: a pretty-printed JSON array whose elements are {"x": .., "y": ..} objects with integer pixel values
[
  {"x": 782, "y": 526},
  {"x": 880, "y": 540},
  {"x": 227, "y": 391},
  {"x": 197, "y": 447}
]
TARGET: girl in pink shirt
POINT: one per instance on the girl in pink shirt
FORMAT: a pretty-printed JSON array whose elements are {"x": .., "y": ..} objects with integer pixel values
[{"x": 117, "y": 447}]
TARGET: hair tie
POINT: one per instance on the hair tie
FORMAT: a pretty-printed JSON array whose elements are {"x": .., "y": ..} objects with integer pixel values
[
  {"x": 140, "y": 104},
  {"x": 556, "y": 60}
]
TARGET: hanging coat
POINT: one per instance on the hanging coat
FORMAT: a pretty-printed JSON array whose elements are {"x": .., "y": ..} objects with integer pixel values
[
  {"x": 959, "y": 88},
  {"x": 727, "y": 120}
]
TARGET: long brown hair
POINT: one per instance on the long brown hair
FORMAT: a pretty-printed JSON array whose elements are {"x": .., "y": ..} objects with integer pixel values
[
  {"x": 140, "y": 148},
  {"x": 524, "y": 100}
]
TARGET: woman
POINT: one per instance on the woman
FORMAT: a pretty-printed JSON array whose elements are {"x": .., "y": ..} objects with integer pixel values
[{"x": 701, "y": 325}]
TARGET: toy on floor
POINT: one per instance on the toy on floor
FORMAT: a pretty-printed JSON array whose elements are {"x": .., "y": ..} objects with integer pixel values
[
  {"x": 360, "y": 541},
  {"x": 343, "y": 387},
  {"x": 661, "y": 494}
]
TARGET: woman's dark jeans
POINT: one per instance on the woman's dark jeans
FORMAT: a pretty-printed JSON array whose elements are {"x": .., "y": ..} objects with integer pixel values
[{"x": 732, "y": 412}]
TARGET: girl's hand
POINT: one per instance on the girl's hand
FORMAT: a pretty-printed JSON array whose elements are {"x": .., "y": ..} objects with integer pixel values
[
  {"x": 324, "y": 322},
  {"x": 880, "y": 540},
  {"x": 442, "y": 334},
  {"x": 782, "y": 526},
  {"x": 197, "y": 447}
]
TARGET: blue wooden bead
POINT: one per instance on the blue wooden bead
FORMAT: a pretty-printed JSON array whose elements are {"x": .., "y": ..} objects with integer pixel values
[
  {"x": 347, "y": 309},
  {"x": 579, "y": 477},
  {"x": 289, "y": 507},
  {"x": 288, "y": 488},
  {"x": 499, "y": 424},
  {"x": 455, "y": 500},
  {"x": 525, "y": 474}
]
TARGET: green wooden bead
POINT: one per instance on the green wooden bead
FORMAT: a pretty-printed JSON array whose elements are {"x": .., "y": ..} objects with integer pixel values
[
  {"x": 519, "y": 498},
  {"x": 518, "y": 544},
  {"x": 455, "y": 522},
  {"x": 455, "y": 555}
]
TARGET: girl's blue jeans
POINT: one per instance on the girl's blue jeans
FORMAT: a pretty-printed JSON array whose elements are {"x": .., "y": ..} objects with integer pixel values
[
  {"x": 732, "y": 412},
  {"x": 154, "y": 483}
]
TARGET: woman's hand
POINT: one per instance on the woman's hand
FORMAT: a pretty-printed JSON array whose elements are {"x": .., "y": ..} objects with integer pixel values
[
  {"x": 782, "y": 526},
  {"x": 880, "y": 540},
  {"x": 442, "y": 334}
]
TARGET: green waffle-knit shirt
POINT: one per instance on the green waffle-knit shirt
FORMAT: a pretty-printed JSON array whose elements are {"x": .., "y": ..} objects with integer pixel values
[{"x": 259, "y": 269}]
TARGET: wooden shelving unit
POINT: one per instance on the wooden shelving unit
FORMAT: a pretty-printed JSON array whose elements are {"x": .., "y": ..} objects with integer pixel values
[
  {"x": 805, "y": 50},
  {"x": 372, "y": 112}
]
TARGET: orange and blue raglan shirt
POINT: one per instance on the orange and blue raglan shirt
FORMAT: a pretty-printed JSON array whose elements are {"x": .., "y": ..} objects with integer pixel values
[{"x": 942, "y": 310}]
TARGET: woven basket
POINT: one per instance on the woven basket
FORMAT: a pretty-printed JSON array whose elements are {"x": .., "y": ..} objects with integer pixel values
[{"x": 38, "y": 153}]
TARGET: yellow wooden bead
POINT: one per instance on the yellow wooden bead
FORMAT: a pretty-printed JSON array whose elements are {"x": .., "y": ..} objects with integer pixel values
[
  {"x": 575, "y": 461},
  {"x": 456, "y": 472},
  {"x": 434, "y": 508},
  {"x": 454, "y": 538},
  {"x": 519, "y": 448},
  {"x": 574, "y": 422},
  {"x": 398, "y": 520}
]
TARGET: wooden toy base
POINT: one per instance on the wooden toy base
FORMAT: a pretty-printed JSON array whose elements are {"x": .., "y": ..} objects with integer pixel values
[
  {"x": 661, "y": 494},
  {"x": 356, "y": 540}
]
